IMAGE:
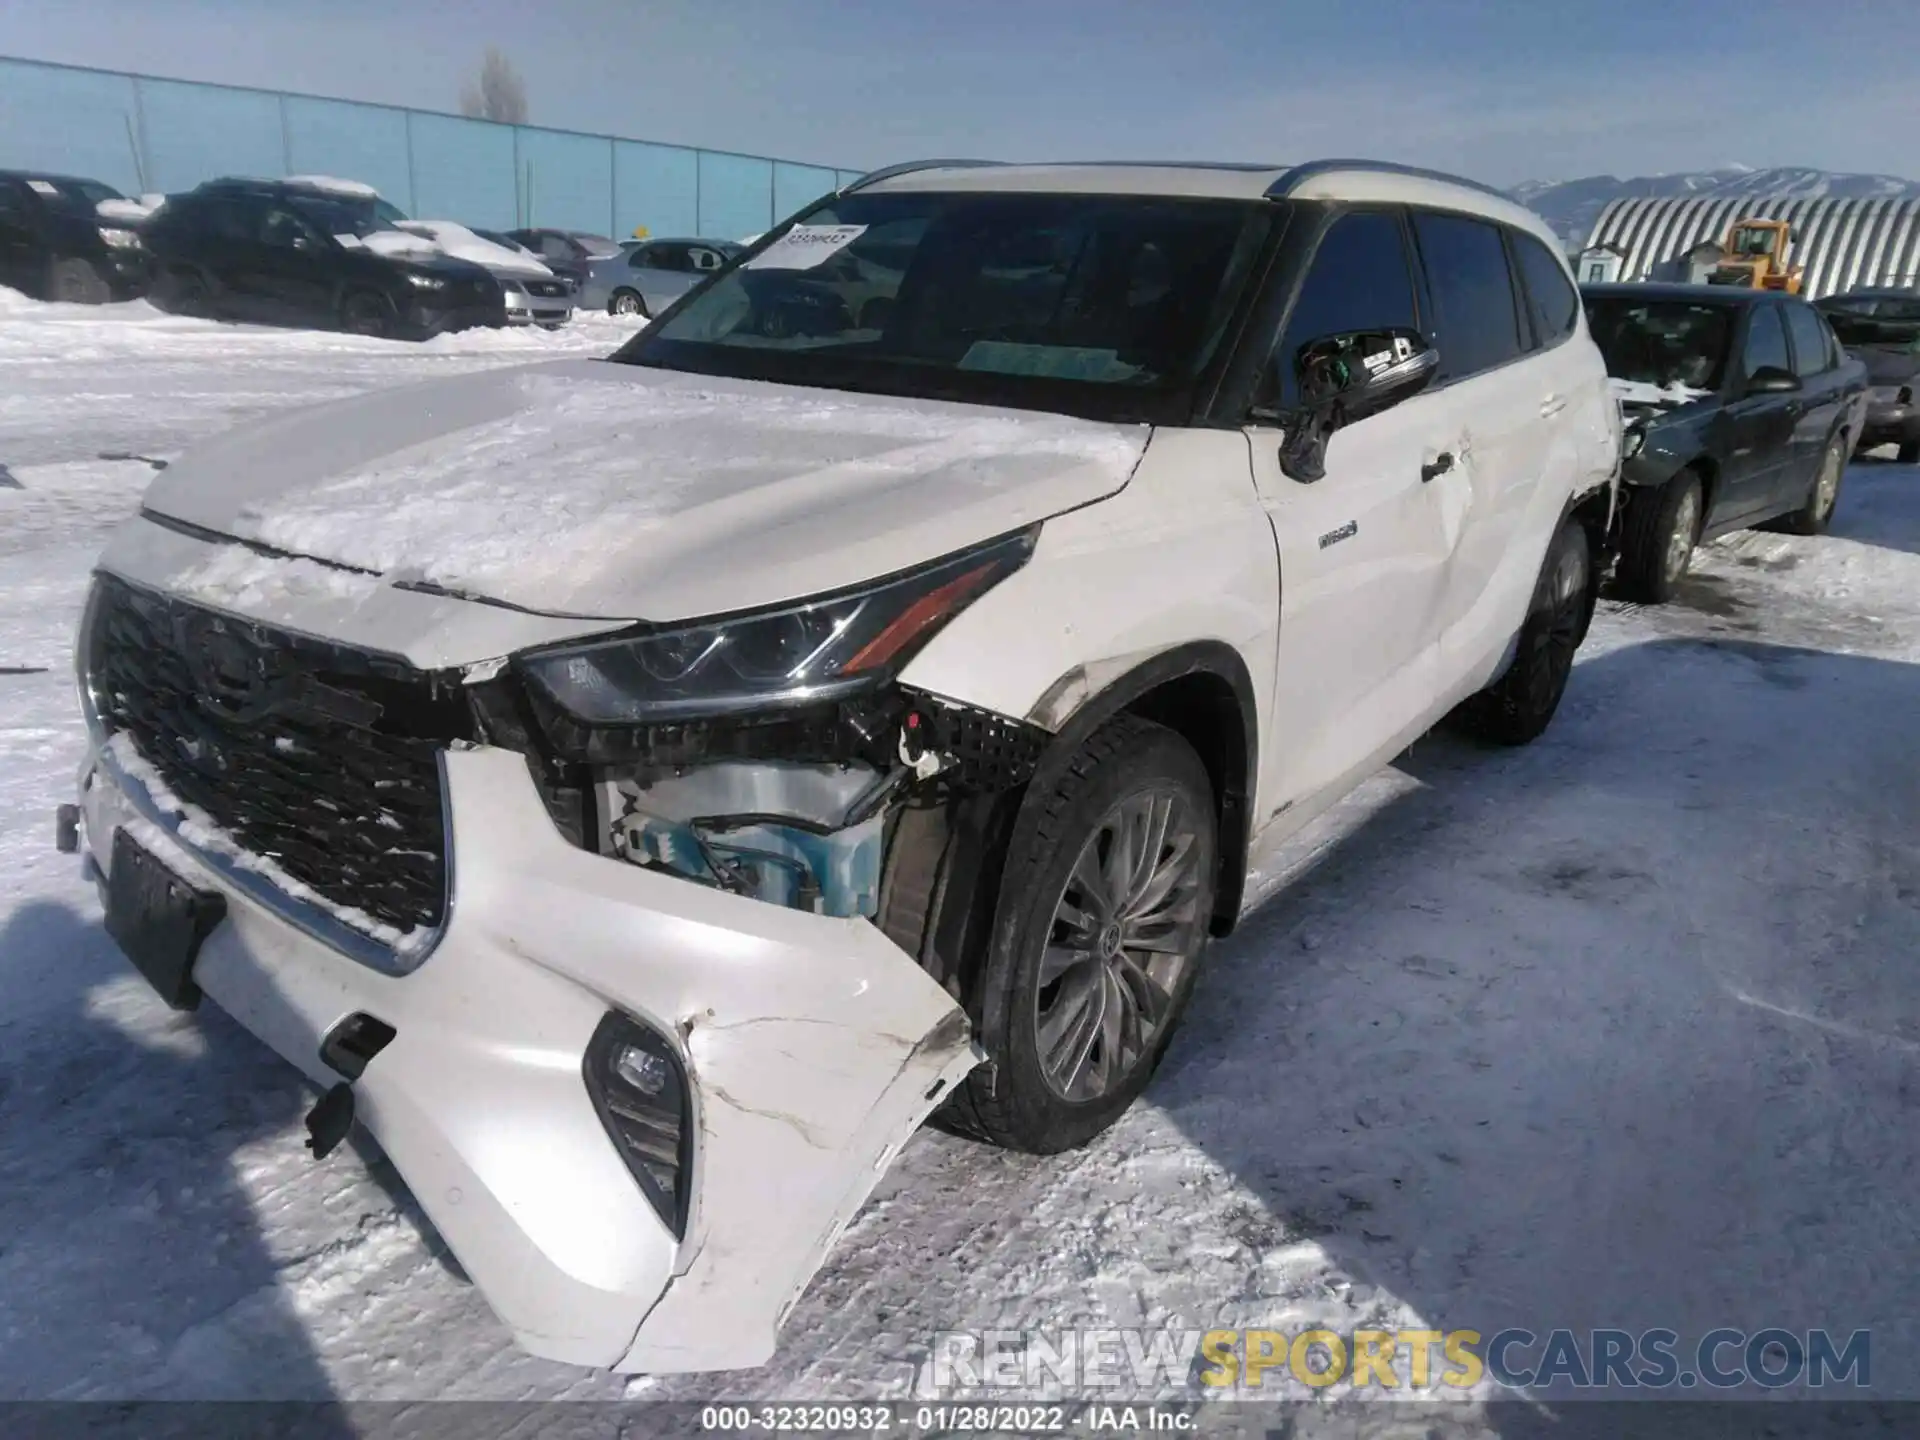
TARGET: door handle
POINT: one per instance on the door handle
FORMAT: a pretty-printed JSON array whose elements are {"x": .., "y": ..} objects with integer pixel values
[
  {"x": 1439, "y": 465},
  {"x": 1552, "y": 406}
]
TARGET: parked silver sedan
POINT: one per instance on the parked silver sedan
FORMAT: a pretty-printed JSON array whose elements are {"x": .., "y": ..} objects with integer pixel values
[{"x": 649, "y": 275}]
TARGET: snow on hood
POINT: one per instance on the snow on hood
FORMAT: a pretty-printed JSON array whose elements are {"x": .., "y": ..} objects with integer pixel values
[
  {"x": 1640, "y": 392},
  {"x": 132, "y": 211},
  {"x": 595, "y": 489},
  {"x": 448, "y": 238}
]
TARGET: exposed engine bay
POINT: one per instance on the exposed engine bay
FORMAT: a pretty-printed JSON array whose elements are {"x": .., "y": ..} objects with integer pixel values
[{"x": 800, "y": 808}]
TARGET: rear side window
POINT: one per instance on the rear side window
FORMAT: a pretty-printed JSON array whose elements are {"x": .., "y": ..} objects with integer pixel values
[
  {"x": 1475, "y": 325},
  {"x": 1766, "y": 342},
  {"x": 1552, "y": 303},
  {"x": 1810, "y": 353},
  {"x": 1358, "y": 280}
]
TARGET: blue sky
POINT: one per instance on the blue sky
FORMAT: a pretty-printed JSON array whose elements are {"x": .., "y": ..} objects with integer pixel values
[{"x": 1503, "y": 92}]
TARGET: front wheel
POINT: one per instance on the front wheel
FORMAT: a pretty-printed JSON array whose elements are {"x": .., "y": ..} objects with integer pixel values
[
  {"x": 76, "y": 282},
  {"x": 1107, "y": 899},
  {"x": 1813, "y": 516},
  {"x": 627, "y": 302},
  {"x": 1909, "y": 453},
  {"x": 1520, "y": 705},
  {"x": 1657, "y": 538},
  {"x": 364, "y": 313}
]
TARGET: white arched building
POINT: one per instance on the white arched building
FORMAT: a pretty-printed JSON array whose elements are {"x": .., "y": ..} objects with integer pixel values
[{"x": 1841, "y": 243}]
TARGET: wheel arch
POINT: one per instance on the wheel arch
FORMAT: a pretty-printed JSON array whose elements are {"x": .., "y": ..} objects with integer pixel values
[{"x": 1203, "y": 692}]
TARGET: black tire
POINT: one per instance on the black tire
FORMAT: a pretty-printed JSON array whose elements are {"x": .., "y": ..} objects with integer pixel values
[
  {"x": 1652, "y": 557},
  {"x": 628, "y": 302},
  {"x": 363, "y": 312},
  {"x": 1520, "y": 705},
  {"x": 181, "y": 292},
  {"x": 1010, "y": 1101},
  {"x": 1813, "y": 516},
  {"x": 1909, "y": 452},
  {"x": 76, "y": 282}
]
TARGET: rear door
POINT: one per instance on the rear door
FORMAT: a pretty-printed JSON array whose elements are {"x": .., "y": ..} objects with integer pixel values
[
  {"x": 1816, "y": 360},
  {"x": 1760, "y": 428},
  {"x": 1362, "y": 550},
  {"x": 1508, "y": 400}
]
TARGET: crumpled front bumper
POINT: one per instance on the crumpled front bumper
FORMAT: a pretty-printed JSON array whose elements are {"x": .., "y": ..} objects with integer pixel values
[{"x": 814, "y": 1047}]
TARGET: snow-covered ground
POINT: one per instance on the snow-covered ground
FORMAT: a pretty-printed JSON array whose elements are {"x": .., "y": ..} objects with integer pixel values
[{"x": 1622, "y": 1029}]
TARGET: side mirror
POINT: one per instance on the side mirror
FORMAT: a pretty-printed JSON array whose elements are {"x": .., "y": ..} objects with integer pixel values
[
  {"x": 1772, "y": 380},
  {"x": 1347, "y": 377}
]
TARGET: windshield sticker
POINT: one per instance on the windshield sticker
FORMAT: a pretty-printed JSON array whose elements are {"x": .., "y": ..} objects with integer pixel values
[
  {"x": 805, "y": 246},
  {"x": 1049, "y": 362},
  {"x": 43, "y": 187}
]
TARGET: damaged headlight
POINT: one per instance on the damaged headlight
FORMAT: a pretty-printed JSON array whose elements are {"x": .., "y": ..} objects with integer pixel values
[
  {"x": 819, "y": 650},
  {"x": 1635, "y": 437}
]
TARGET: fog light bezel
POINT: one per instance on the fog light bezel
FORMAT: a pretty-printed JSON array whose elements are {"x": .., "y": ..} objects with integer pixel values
[{"x": 615, "y": 1032}]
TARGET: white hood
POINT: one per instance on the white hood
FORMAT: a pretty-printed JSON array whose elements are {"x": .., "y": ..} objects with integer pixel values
[{"x": 588, "y": 488}]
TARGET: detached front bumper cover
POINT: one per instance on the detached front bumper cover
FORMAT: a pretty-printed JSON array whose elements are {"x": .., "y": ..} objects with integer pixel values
[{"x": 811, "y": 1049}]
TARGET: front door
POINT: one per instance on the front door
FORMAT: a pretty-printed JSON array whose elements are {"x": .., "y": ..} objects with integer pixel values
[
  {"x": 1362, "y": 550},
  {"x": 288, "y": 272}
]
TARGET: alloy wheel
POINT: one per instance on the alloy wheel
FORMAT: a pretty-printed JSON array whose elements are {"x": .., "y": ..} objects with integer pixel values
[
  {"x": 1827, "y": 487},
  {"x": 1557, "y": 641},
  {"x": 1124, "y": 930},
  {"x": 1686, "y": 524}
]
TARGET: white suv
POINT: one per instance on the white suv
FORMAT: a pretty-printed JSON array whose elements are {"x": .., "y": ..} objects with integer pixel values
[{"x": 645, "y": 790}]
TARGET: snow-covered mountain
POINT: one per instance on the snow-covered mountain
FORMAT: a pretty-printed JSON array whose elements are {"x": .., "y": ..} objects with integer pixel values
[{"x": 1571, "y": 206}]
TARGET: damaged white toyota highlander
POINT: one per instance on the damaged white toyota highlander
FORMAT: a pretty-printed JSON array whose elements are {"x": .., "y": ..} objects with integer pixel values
[{"x": 641, "y": 791}]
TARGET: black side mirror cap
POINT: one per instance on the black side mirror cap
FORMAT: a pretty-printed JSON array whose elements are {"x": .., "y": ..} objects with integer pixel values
[
  {"x": 1772, "y": 380},
  {"x": 1347, "y": 377}
]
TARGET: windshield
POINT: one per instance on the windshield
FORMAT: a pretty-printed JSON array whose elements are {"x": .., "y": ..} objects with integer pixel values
[
  {"x": 1671, "y": 342},
  {"x": 1883, "y": 322},
  {"x": 598, "y": 246},
  {"x": 75, "y": 194},
  {"x": 1098, "y": 305},
  {"x": 1754, "y": 240},
  {"x": 348, "y": 214}
]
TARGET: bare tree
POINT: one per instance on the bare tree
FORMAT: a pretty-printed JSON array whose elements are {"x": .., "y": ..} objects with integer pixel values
[{"x": 499, "y": 94}]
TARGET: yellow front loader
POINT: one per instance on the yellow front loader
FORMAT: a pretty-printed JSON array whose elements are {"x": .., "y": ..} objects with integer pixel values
[{"x": 1756, "y": 257}]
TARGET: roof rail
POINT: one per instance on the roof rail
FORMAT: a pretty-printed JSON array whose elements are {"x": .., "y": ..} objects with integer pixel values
[
  {"x": 874, "y": 177},
  {"x": 1300, "y": 174}
]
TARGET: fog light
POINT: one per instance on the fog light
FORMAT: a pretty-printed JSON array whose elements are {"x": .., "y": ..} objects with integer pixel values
[
  {"x": 644, "y": 1071},
  {"x": 639, "y": 1090}
]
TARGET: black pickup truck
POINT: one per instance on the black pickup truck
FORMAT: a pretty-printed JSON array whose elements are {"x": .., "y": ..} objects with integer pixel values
[{"x": 1741, "y": 408}]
